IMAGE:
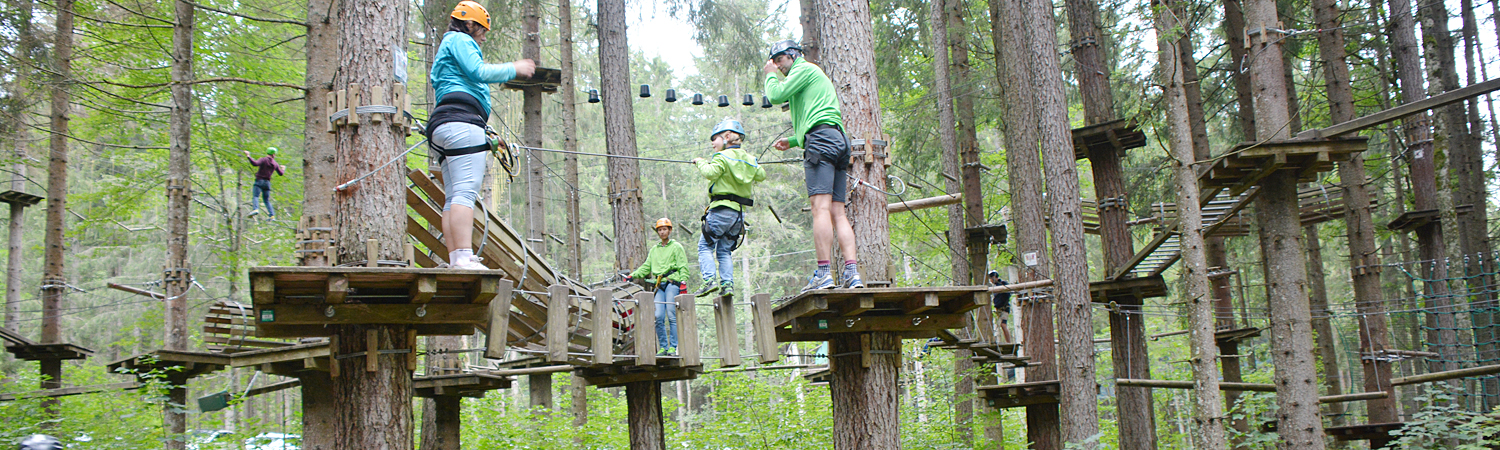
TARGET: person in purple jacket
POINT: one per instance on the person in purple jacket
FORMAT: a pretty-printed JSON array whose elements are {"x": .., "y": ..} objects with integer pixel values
[{"x": 265, "y": 166}]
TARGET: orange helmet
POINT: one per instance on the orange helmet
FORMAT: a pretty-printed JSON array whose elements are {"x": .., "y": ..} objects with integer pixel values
[
  {"x": 663, "y": 222},
  {"x": 469, "y": 10}
]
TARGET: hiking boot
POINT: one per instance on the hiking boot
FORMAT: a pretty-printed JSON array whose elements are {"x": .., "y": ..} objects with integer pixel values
[
  {"x": 819, "y": 281},
  {"x": 851, "y": 278},
  {"x": 709, "y": 287},
  {"x": 471, "y": 263}
]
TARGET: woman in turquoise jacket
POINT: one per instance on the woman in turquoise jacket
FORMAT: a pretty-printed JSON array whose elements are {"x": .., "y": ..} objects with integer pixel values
[{"x": 456, "y": 127}]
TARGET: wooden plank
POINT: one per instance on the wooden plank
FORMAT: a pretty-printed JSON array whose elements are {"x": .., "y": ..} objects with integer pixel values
[
  {"x": 1398, "y": 112},
  {"x": 688, "y": 348},
  {"x": 802, "y": 307},
  {"x": 603, "y": 343},
  {"x": 645, "y": 328},
  {"x": 1446, "y": 375},
  {"x": 858, "y": 306},
  {"x": 485, "y": 289},
  {"x": 765, "y": 332},
  {"x": 288, "y": 384},
  {"x": 557, "y": 323},
  {"x": 262, "y": 289},
  {"x": 921, "y": 304},
  {"x": 67, "y": 391},
  {"x": 666, "y": 374},
  {"x": 424, "y": 288},
  {"x": 920, "y": 322},
  {"x": 338, "y": 288},
  {"x": 387, "y": 314},
  {"x": 729, "y": 338},
  {"x": 499, "y": 312},
  {"x": 372, "y": 350},
  {"x": 293, "y": 353}
]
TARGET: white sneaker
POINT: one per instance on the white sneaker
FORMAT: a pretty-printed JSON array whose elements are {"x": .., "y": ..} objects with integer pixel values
[{"x": 472, "y": 263}]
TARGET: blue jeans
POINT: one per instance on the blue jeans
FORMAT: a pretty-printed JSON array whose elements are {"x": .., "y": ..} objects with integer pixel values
[
  {"x": 714, "y": 252},
  {"x": 666, "y": 316},
  {"x": 261, "y": 190}
]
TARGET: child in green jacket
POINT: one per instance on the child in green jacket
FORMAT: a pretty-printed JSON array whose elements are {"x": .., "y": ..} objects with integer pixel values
[
  {"x": 666, "y": 269},
  {"x": 732, "y": 173}
]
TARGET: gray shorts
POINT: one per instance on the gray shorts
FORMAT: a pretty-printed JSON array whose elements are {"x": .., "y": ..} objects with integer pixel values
[
  {"x": 825, "y": 163},
  {"x": 463, "y": 174}
]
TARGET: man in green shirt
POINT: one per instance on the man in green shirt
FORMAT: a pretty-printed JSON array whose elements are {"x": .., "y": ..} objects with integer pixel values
[
  {"x": 817, "y": 127},
  {"x": 666, "y": 269}
]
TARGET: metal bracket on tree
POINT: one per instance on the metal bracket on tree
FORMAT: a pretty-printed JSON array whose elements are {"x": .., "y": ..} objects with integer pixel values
[
  {"x": 869, "y": 150},
  {"x": 374, "y": 105}
]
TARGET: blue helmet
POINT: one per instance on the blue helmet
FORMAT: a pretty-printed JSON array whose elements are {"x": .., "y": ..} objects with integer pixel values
[{"x": 728, "y": 125}]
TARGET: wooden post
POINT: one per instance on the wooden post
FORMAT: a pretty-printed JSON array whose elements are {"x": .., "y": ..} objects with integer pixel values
[
  {"x": 557, "y": 323},
  {"x": 729, "y": 337},
  {"x": 765, "y": 334},
  {"x": 687, "y": 330},
  {"x": 604, "y": 327},
  {"x": 645, "y": 329},
  {"x": 496, "y": 339}
]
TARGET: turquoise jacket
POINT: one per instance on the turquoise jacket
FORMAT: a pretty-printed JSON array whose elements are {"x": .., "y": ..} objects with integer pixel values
[
  {"x": 664, "y": 258},
  {"x": 459, "y": 67},
  {"x": 731, "y": 171},
  {"x": 811, "y": 94}
]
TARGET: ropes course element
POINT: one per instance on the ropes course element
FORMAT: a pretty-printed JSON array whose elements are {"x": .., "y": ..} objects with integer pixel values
[{"x": 641, "y": 158}]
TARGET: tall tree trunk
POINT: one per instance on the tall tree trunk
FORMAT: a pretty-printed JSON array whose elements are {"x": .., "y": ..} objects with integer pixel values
[
  {"x": 570, "y": 137},
  {"x": 1431, "y": 249},
  {"x": 812, "y": 43},
  {"x": 1374, "y": 334},
  {"x": 865, "y": 408},
  {"x": 1479, "y": 261},
  {"x": 531, "y": 119},
  {"x": 374, "y": 408},
  {"x": 1298, "y": 422},
  {"x": 53, "y": 282},
  {"x": 179, "y": 211},
  {"x": 440, "y": 415},
  {"x": 958, "y": 256},
  {"x": 21, "y": 90},
  {"x": 643, "y": 398},
  {"x": 1080, "y": 421},
  {"x": 847, "y": 26},
  {"x": 619, "y": 137},
  {"x": 1209, "y": 408},
  {"x": 1013, "y": 71},
  {"x": 1234, "y": 33},
  {"x": 1322, "y": 322},
  {"x": 318, "y": 167}
]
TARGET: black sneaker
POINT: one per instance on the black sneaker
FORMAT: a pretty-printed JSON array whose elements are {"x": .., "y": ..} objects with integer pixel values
[{"x": 708, "y": 288}]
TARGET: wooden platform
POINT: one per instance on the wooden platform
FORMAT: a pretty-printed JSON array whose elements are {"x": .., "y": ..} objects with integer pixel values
[
  {"x": 912, "y": 312},
  {"x": 285, "y": 361},
  {"x": 1236, "y": 335},
  {"x": 1245, "y": 165},
  {"x": 1411, "y": 220},
  {"x": 665, "y": 369},
  {"x": 1118, "y": 135},
  {"x": 472, "y": 385},
  {"x": 303, "y": 301},
  {"x": 28, "y": 350},
  {"x": 18, "y": 198},
  {"x": 1021, "y": 394},
  {"x": 193, "y": 364},
  {"x": 816, "y": 375},
  {"x": 1363, "y": 432},
  {"x": 1129, "y": 290},
  {"x": 545, "y": 77}
]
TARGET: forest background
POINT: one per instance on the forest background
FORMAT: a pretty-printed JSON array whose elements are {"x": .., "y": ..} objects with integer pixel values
[{"x": 255, "y": 51}]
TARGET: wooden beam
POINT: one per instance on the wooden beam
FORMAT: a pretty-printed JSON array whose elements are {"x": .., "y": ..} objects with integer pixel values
[
  {"x": 136, "y": 291},
  {"x": 688, "y": 348},
  {"x": 604, "y": 328},
  {"x": 262, "y": 289},
  {"x": 805, "y": 307},
  {"x": 919, "y": 322},
  {"x": 499, "y": 324},
  {"x": 1446, "y": 375},
  {"x": 390, "y": 314},
  {"x": 338, "y": 289},
  {"x": 765, "y": 332},
  {"x": 557, "y": 323},
  {"x": 1396, "y": 113},
  {"x": 858, "y": 306},
  {"x": 645, "y": 329},
  {"x": 529, "y": 370},
  {"x": 67, "y": 391},
  {"x": 424, "y": 288},
  {"x": 1020, "y": 286},
  {"x": 922, "y": 304},
  {"x": 288, "y": 384},
  {"x": 924, "y": 203},
  {"x": 729, "y": 338},
  {"x": 372, "y": 350}
]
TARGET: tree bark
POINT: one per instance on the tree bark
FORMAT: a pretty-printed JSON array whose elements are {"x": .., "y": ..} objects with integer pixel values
[
  {"x": 812, "y": 43},
  {"x": 1013, "y": 69},
  {"x": 580, "y": 392},
  {"x": 643, "y": 398},
  {"x": 318, "y": 413},
  {"x": 21, "y": 90},
  {"x": 318, "y": 168},
  {"x": 179, "y": 213},
  {"x": 848, "y": 32},
  {"x": 865, "y": 408},
  {"x": 619, "y": 137},
  {"x": 531, "y": 124},
  {"x": 942, "y": 92},
  {"x": 570, "y": 137},
  {"x": 1080, "y": 411},
  {"x": 1322, "y": 323},
  {"x": 1234, "y": 33},
  {"x": 1208, "y": 408},
  {"x": 53, "y": 289},
  {"x": 1479, "y": 261},
  {"x": 374, "y": 408},
  {"x": 540, "y": 390}
]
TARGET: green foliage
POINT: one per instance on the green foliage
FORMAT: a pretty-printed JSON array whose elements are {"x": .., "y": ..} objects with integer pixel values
[{"x": 1443, "y": 422}]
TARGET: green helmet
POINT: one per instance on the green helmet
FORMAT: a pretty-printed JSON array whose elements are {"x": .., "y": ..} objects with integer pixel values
[{"x": 271, "y": 151}]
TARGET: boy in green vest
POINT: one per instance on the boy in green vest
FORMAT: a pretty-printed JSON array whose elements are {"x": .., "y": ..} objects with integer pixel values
[
  {"x": 732, "y": 173},
  {"x": 818, "y": 127}
]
